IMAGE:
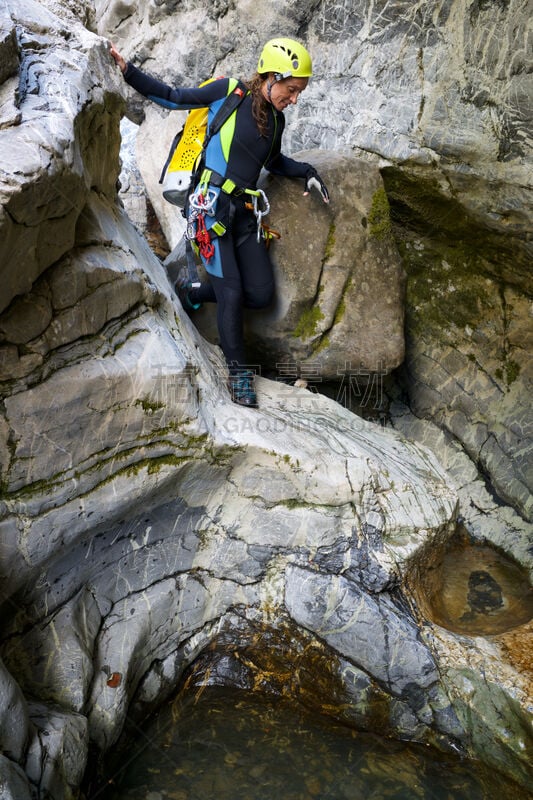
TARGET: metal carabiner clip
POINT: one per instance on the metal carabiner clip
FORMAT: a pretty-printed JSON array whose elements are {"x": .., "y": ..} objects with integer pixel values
[
  {"x": 204, "y": 201},
  {"x": 260, "y": 212}
]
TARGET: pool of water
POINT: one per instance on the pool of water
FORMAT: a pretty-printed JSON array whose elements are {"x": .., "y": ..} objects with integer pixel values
[
  {"x": 226, "y": 744},
  {"x": 475, "y": 589}
]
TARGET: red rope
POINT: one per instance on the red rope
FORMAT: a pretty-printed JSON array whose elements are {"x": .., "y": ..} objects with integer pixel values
[{"x": 205, "y": 245}]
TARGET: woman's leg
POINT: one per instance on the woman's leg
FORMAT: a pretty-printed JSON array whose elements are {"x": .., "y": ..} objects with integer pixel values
[
  {"x": 257, "y": 274},
  {"x": 229, "y": 298},
  {"x": 255, "y": 277},
  {"x": 240, "y": 275},
  {"x": 226, "y": 290}
]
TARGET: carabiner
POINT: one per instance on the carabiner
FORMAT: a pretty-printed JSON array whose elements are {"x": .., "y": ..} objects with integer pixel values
[
  {"x": 204, "y": 202},
  {"x": 260, "y": 212}
]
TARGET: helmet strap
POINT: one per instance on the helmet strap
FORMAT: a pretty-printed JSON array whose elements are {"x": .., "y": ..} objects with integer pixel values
[{"x": 278, "y": 76}]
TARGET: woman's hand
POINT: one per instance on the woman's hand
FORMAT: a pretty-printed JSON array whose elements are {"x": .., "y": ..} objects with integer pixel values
[
  {"x": 314, "y": 181},
  {"x": 119, "y": 60}
]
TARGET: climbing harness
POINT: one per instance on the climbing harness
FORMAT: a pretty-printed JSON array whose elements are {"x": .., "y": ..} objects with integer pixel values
[
  {"x": 202, "y": 202},
  {"x": 259, "y": 200}
]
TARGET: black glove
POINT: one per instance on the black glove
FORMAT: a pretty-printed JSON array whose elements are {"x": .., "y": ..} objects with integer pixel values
[{"x": 314, "y": 181}]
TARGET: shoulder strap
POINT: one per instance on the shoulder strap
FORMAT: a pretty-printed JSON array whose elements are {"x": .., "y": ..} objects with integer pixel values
[
  {"x": 173, "y": 146},
  {"x": 230, "y": 104},
  {"x": 232, "y": 101}
]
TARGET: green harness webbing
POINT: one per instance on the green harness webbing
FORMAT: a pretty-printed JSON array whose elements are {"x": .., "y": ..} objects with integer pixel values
[{"x": 228, "y": 186}]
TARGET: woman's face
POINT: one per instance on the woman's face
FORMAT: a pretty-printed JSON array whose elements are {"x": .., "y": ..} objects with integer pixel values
[{"x": 286, "y": 92}]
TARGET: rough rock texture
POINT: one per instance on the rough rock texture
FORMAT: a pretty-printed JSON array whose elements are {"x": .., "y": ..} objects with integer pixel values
[
  {"x": 144, "y": 518},
  {"x": 148, "y": 150},
  {"x": 14, "y": 784},
  {"x": 15, "y": 729},
  {"x": 58, "y": 149},
  {"x": 345, "y": 310},
  {"x": 468, "y": 366}
]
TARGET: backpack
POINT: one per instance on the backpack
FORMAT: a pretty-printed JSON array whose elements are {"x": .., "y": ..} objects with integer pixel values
[{"x": 189, "y": 144}]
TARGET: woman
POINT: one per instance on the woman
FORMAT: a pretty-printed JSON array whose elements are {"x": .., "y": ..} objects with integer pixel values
[{"x": 237, "y": 261}]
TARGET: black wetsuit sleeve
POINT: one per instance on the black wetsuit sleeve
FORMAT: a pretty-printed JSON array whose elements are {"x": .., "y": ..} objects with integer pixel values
[
  {"x": 179, "y": 98},
  {"x": 288, "y": 167}
]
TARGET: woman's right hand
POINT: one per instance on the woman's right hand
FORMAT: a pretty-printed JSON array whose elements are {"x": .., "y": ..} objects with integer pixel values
[{"x": 119, "y": 60}]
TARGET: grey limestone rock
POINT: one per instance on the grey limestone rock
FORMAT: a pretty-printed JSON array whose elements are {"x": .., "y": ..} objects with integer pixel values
[
  {"x": 15, "y": 726},
  {"x": 54, "y": 152},
  {"x": 14, "y": 783},
  {"x": 369, "y": 631},
  {"x": 438, "y": 98},
  {"x": 57, "y": 756}
]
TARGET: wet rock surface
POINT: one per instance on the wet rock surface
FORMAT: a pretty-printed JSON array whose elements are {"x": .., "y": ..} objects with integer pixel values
[{"x": 474, "y": 589}]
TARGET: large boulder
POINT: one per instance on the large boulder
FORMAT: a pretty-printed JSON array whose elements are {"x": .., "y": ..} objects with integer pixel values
[
  {"x": 343, "y": 310},
  {"x": 339, "y": 299}
]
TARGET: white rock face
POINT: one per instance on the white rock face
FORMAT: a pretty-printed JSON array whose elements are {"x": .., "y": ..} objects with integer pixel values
[{"x": 54, "y": 153}]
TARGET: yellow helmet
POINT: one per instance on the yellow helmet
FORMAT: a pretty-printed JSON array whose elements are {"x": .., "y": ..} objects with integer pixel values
[{"x": 286, "y": 58}]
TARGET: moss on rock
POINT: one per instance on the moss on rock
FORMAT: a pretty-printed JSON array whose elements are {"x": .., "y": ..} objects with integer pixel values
[
  {"x": 306, "y": 327},
  {"x": 330, "y": 243},
  {"x": 379, "y": 221}
]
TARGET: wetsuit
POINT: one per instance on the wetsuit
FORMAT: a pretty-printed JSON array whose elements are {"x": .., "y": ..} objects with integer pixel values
[{"x": 240, "y": 271}]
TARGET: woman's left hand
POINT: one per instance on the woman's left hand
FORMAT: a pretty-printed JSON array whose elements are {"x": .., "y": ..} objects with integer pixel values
[{"x": 314, "y": 181}]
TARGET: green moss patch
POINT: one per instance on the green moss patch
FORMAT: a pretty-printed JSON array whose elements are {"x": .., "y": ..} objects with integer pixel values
[
  {"x": 509, "y": 373},
  {"x": 330, "y": 243},
  {"x": 379, "y": 221},
  {"x": 308, "y": 323},
  {"x": 446, "y": 288}
]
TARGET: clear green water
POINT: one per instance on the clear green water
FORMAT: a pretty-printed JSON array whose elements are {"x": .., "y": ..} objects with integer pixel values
[{"x": 225, "y": 744}]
